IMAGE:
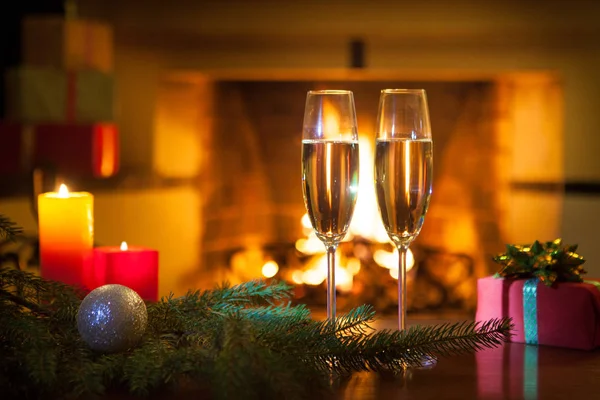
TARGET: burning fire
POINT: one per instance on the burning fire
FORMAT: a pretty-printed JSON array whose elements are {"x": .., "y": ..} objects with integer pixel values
[{"x": 366, "y": 224}]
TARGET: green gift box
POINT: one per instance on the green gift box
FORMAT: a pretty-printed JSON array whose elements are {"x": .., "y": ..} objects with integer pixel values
[{"x": 36, "y": 94}]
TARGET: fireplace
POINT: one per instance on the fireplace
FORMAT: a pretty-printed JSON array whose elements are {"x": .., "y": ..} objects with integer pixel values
[{"x": 238, "y": 132}]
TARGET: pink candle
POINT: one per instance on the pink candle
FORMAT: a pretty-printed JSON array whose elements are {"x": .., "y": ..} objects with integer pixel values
[{"x": 134, "y": 267}]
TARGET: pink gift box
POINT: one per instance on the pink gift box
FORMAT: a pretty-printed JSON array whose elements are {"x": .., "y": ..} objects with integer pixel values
[{"x": 568, "y": 315}]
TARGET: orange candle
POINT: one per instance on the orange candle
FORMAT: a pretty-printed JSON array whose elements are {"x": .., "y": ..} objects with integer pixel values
[{"x": 66, "y": 234}]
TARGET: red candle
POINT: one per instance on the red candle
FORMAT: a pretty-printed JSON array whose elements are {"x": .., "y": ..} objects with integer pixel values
[{"x": 134, "y": 267}]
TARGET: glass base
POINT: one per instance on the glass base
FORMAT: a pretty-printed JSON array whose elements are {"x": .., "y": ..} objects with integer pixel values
[{"x": 426, "y": 363}]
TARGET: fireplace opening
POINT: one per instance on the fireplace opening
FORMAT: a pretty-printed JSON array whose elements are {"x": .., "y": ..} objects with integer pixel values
[{"x": 239, "y": 134}]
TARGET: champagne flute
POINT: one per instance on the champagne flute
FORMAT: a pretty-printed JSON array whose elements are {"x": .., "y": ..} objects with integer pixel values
[
  {"x": 330, "y": 171},
  {"x": 403, "y": 172}
]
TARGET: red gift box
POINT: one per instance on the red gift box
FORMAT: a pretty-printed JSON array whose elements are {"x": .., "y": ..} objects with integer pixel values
[
  {"x": 14, "y": 149},
  {"x": 78, "y": 150},
  {"x": 568, "y": 314}
]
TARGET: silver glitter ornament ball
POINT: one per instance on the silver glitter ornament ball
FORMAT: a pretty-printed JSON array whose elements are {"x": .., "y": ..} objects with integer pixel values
[{"x": 112, "y": 318}]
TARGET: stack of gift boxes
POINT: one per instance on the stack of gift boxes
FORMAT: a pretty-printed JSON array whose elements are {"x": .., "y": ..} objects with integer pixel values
[{"x": 60, "y": 102}]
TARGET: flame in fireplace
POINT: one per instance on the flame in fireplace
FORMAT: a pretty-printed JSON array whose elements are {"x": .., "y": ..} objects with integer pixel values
[
  {"x": 366, "y": 225},
  {"x": 366, "y": 222},
  {"x": 331, "y": 123},
  {"x": 270, "y": 269}
]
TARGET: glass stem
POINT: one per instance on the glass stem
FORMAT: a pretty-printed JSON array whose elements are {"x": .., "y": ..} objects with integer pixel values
[
  {"x": 402, "y": 250},
  {"x": 331, "y": 282}
]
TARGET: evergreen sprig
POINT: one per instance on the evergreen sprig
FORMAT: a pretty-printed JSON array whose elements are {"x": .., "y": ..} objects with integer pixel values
[
  {"x": 245, "y": 341},
  {"x": 9, "y": 230},
  {"x": 550, "y": 262}
]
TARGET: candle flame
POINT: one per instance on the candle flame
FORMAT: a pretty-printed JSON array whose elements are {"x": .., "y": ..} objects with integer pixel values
[
  {"x": 124, "y": 246},
  {"x": 63, "y": 191}
]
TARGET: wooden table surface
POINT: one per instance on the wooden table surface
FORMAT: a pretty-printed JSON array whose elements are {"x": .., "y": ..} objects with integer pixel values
[{"x": 513, "y": 371}]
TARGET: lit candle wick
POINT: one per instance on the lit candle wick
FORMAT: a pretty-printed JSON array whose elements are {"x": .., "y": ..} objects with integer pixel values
[
  {"x": 124, "y": 246},
  {"x": 63, "y": 191}
]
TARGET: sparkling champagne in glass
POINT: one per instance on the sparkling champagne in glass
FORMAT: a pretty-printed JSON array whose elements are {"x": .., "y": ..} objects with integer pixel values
[
  {"x": 403, "y": 172},
  {"x": 330, "y": 171}
]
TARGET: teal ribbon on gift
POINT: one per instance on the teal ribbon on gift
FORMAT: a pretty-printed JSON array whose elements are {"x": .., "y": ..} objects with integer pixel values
[{"x": 530, "y": 314}]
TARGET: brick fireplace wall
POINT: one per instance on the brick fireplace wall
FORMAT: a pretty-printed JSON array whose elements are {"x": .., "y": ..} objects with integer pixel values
[{"x": 249, "y": 151}]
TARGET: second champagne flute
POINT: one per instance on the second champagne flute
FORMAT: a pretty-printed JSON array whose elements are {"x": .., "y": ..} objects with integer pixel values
[
  {"x": 403, "y": 172},
  {"x": 330, "y": 171}
]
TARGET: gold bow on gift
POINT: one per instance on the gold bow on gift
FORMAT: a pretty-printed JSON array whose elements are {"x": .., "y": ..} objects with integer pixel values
[{"x": 549, "y": 262}]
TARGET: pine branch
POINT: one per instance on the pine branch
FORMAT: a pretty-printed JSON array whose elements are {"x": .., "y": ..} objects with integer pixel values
[
  {"x": 7, "y": 296},
  {"x": 244, "y": 361},
  {"x": 230, "y": 342},
  {"x": 9, "y": 230},
  {"x": 253, "y": 293},
  {"x": 40, "y": 295},
  {"x": 384, "y": 350},
  {"x": 190, "y": 316}
]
